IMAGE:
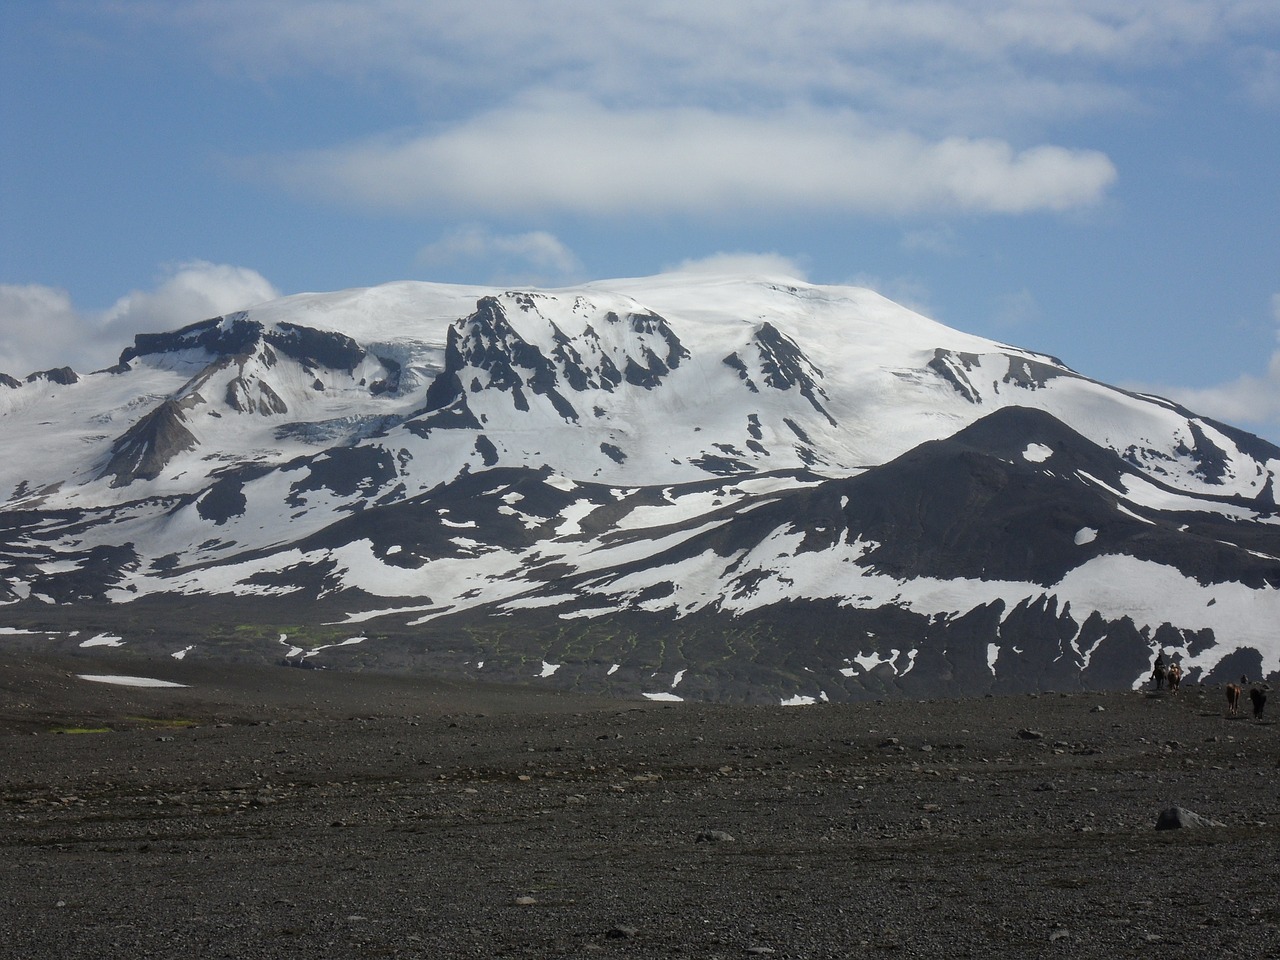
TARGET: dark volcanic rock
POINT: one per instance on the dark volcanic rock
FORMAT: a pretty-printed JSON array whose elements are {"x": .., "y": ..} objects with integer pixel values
[
  {"x": 146, "y": 448},
  {"x": 233, "y": 336},
  {"x": 225, "y": 498},
  {"x": 345, "y": 471},
  {"x": 782, "y": 365},
  {"x": 318, "y": 348},
  {"x": 254, "y": 396},
  {"x": 237, "y": 335},
  {"x": 64, "y": 376},
  {"x": 499, "y": 358}
]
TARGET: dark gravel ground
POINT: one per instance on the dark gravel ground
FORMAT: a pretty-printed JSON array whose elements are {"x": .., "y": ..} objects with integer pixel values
[{"x": 273, "y": 812}]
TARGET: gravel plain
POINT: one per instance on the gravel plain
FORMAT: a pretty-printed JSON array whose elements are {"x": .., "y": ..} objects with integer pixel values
[{"x": 263, "y": 812}]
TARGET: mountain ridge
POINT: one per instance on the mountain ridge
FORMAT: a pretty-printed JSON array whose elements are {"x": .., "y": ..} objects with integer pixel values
[{"x": 673, "y": 456}]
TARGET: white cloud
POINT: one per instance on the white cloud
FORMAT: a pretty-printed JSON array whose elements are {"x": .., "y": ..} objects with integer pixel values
[
  {"x": 661, "y": 51},
  {"x": 1251, "y": 401},
  {"x": 537, "y": 256},
  {"x": 1016, "y": 309},
  {"x": 910, "y": 292},
  {"x": 938, "y": 238},
  {"x": 193, "y": 291},
  {"x": 1259, "y": 69},
  {"x": 34, "y": 320},
  {"x": 735, "y": 264},
  {"x": 41, "y": 328},
  {"x": 622, "y": 109},
  {"x": 568, "y": 154},
  {"x": 1248, "y": 400}
]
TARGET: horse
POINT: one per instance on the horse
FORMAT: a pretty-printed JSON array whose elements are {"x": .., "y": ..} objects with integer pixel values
[
  {"x": 1174, "y": 676},
  {"x": 1158, "y": 675},
  {"x": 1259, "y": 701},
  {"x": 1233, "y": 698}
]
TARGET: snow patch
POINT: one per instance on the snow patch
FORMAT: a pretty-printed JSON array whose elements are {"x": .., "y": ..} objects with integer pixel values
[
  {"x": 866, "y": 662},
  {"x": 801, "y": 700},
  {"x": 374, "y": 614},
  {"x": 869, "y": 661},
  {"x": 572, "y": 517},
  {"x": 329, "y": 646},
  {"x": 293, "y": 650},
  {"x": 125, "y": 681},
  {"x": 103, "y": 640}
]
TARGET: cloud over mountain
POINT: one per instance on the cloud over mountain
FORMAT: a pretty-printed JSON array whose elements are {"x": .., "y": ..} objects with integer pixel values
[
  {"x": 1251, "y": 399},
  {"x": 43, "y": 328},
  {"x": 570, "y": 154},
  {"x": 536, "y": 257}
]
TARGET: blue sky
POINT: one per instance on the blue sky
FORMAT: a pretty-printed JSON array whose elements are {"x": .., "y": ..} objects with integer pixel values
[{"x": 1097, "y": 179}]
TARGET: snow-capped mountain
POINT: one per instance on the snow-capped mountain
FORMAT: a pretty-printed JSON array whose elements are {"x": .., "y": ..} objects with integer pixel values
[{"x": 678, "y": 486}]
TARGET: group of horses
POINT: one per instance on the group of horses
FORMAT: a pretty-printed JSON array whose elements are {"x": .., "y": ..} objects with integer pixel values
[
  {"x": 1170, "y": 675},
  {"x": 1256, "y": 696}
]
